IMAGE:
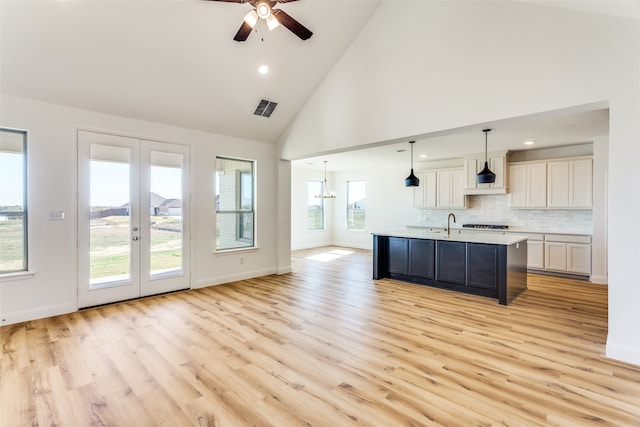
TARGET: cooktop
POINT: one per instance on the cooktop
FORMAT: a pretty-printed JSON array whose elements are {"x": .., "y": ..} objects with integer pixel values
[{"x": 487, "y": 226}]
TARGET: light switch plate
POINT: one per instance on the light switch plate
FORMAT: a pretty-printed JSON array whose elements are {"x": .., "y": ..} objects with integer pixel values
[{"x": 56, "y": 215}]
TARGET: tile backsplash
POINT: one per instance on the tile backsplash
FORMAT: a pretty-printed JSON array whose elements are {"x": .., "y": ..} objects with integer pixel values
[{"x": 494, "y": 209}]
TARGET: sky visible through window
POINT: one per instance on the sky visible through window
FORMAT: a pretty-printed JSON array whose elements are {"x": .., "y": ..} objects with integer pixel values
[
  {"x": 109, "y": 183},
  {"x": 11, "y": 178}
]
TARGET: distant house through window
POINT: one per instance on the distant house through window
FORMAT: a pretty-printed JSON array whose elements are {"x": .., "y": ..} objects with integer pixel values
[
  {"x": 235, "y": 207},
  {"x": 315, "y": 206},
  {"x": 13, "y": 201},
  {"x": 356, "y": 205}
]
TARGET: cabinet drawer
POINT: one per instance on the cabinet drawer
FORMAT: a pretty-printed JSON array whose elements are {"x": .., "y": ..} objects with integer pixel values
[{"x": 567, "y": 238}]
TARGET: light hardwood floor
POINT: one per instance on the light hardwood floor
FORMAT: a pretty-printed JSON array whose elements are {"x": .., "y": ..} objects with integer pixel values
[{"x": 323, "y": 346}]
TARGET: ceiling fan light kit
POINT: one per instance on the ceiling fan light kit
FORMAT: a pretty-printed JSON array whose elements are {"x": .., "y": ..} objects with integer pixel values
[{"x": 264, "y": 9}]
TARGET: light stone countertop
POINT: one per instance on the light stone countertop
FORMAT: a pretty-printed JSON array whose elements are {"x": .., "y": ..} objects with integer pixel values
[
  {"x": 488, "y": 238},
  {"x": 511, "y": 229}
]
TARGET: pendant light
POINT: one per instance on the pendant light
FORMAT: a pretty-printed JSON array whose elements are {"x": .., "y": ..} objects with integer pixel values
[
  {"x": 486, "y": 176},
  {"x": 326, "y": 194},
  {"x": 411, "y": 180}
]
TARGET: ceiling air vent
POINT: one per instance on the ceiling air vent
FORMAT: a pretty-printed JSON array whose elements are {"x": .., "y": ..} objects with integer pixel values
[{"x": 265, "y": 108}]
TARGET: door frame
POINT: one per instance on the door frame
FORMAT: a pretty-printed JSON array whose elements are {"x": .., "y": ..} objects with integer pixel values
[{"x": 188, "y": 211}]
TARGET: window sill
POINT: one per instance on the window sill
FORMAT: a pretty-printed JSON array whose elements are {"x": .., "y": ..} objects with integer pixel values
[
  {"x": 20, "y": 275},
  {"x": 356, "y": 230},
  {"x": 235, "y": 251}
]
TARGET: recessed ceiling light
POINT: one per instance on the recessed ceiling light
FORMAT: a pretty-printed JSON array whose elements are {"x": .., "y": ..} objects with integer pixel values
[
  {"x": 263, "y": 69},
  {"x": 529, "y": 142},
  {"x": 424, "y": 156}
]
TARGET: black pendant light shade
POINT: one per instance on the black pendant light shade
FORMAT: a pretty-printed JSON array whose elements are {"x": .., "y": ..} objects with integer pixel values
[
  {"x": 411, "y": 180},
  {"x": 486, "y": 176}
]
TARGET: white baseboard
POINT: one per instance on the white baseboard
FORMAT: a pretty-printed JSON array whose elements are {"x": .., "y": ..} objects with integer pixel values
[
  {"x": 203, "y": 283},
  {"x": 284, "y": 270},
  {"x": 600, "y": 280},
  {"x": 352, "y": 245},
  {"x": 310, "y": 246},
  {"x": 39, "y": 313},
  {"x": 623, "y": 353}
]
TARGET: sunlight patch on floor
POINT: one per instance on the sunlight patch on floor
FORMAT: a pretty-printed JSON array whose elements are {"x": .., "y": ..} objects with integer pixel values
[{"x": 329, "y": 256}]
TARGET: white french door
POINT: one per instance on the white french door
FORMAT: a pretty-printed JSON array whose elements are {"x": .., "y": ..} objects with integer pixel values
[{"x": 133, "y": 218}]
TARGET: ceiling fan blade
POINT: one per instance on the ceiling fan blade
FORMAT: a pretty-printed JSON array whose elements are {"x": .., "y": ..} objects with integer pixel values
[
  {"x": 294, "y": 26},
  {"x": 243, "y": 32},
  {"x": 232, "y": 1},
  {"x": 285, "y": 1}
]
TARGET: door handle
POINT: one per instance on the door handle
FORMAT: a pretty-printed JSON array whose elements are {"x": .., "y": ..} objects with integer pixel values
[{"x": 134, "y": 238}]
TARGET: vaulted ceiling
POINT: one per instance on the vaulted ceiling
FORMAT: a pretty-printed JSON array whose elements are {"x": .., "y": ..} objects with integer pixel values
[{"x": 175, "y": 62}]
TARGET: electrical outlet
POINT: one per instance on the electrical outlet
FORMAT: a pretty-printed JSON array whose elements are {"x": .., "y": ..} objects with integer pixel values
[{"x": 241, "y": 261}]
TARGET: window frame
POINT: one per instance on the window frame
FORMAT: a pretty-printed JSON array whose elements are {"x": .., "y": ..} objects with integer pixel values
[
  {"x": 239, "y": 193},
  {"x": 348, "y": 222},
  {"x": 24, "y": 214},
  {"x": 309, "y": 196}
]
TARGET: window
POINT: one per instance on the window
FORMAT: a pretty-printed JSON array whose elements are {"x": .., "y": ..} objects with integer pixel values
[
  {"x": 356, "y": 204},
  {"x": 13, "y": 200},
  {"x": 315, "y": 206},
  {"x": 235, "y": 214}
]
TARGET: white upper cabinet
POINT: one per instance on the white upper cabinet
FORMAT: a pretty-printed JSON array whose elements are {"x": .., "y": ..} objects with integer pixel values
[
  {"x": 555, "y": 184},
  {"x": 528, "y": 185},
  {"x": 570, "y": 183},
  {"x": 424, "y": 196},
  {"x": 498, "y": 165},
  {"x": 581, "y": 183},
  {"x": 440, "y": 189}
]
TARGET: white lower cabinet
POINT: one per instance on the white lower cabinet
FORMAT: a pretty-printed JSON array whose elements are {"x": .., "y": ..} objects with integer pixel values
[
  {"x": 535, "y": 254},
  {"x": 567, "y": 254},
  {"x": 578, "y": 258},
  {"x": 555, "y": 256}
]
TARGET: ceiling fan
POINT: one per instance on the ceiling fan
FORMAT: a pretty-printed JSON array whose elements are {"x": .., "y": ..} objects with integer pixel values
[{"x": 264, "y": 9}]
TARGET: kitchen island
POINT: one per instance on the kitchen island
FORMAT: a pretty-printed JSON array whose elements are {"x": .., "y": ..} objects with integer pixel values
[{"x": 488, "y": 265}]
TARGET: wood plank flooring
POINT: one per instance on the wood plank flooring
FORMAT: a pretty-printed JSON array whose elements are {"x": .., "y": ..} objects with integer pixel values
[{"x": 323, "y": 346}]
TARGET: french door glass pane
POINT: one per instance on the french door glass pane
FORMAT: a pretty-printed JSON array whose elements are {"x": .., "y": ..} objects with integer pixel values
[
  {"x": 165, "y": 209},
  {"x": 110, "y": 225}
]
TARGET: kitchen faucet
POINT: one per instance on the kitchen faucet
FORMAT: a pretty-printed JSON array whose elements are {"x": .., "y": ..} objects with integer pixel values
[{"x": 449, "y": 224}]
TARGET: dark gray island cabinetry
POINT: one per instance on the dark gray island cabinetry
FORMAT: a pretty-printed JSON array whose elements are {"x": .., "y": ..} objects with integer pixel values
[{"x": 486, "y": 265}]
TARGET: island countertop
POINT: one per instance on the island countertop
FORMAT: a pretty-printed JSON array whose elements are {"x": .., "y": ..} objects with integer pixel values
[{"x": 488, "y": 238}]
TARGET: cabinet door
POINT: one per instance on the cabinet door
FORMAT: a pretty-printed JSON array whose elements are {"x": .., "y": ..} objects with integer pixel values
[
  {"x": 579, "y": 258},
  {"x": 471, "y": 170},
  {"x": 535, "y": 254},
  {"x": 581, "y": 183},
  {"x": 558, "y": 184},
  {"x": 422, "y": 258},
  {"x": 537, "y": 185},
  {"x": 443, "y": 195},
  {"x": 418, "y": 192},
  {"x": 430, "y": 189},
  {"x": 518, "y": 186},
  {"x": 498, "y": 166},
  {"x": 555, "y": 256},
  {"x": 482, "y": 265},
  {"x": 451, "y": 261},
  {"x": 456, "y": 189},
  {"x": 398, "y": 260}
]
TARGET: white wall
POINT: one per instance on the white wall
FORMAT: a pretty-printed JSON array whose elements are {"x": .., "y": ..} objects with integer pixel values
[
  {"x": 419, "y": 67},
  {"x": 388, "y": 206},
  {"x": 301, "y": 238},
  {"x": 52, "y": 186}
]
